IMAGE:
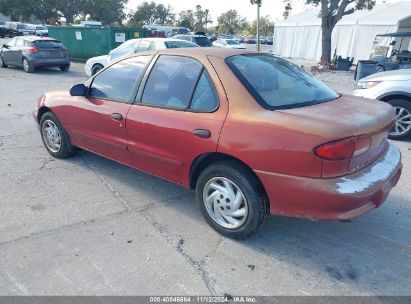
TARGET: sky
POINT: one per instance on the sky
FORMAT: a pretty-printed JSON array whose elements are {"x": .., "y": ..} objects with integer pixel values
[{"x": 274, "y": 8}]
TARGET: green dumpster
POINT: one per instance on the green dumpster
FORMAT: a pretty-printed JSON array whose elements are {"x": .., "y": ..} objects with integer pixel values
[{"x": 86, "y": 42}]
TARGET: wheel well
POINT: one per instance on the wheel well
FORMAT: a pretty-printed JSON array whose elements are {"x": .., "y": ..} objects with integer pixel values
[
  {"x": 207, "y": 159},
  {"x": 41, "y": 112},
  {"x": 396, "y": 96}
]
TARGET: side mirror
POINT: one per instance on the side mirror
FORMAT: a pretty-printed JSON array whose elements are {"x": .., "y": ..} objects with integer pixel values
[
  {"x": 78, "y": 90},
  {"x": 5, "y": 46}
]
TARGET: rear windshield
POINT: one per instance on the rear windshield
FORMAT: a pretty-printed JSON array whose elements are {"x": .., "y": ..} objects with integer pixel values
[
  {"x": 48, "y": 44},
  {"x": 202, "y": 41},
  {"x": 179, "y": 44},
  {"x": 278, "y": 84}
]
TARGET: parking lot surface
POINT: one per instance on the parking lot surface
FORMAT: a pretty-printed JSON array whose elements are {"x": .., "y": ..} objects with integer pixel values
[{"x": 90, "y": 226}]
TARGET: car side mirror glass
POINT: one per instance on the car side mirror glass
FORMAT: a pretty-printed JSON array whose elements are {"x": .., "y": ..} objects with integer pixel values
[
  {"x": 78, "y": 90},
  {"x": 5, "y": 46}
]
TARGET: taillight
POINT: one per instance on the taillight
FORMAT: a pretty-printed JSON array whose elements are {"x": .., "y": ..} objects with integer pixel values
[
  {"x": 344, "y": 148},
  {"x": 32, "y": 49}
]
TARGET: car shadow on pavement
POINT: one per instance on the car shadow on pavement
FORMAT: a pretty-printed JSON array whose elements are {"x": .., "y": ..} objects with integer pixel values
[{"x": 370, "y": 255}]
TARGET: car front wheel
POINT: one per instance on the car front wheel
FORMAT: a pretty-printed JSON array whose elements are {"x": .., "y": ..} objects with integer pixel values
[
  {"x": 54, "y": 137},
  {"x": 96, "y": 68},
  {"x": 231, "y": 199},
  {"x": 402, "y": 124}
]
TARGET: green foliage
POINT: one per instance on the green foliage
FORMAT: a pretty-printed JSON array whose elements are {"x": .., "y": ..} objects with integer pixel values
[
  {"x": 151, "y": 13},
  {"x": 106, "y": 11},
  {"x": 231, "y": 22},
  {"x": 258, "y": 2},
  {"x": 186, "y": 19},
  {"x": 266, "y": 27},
  {"x": 202, "y": 18}
]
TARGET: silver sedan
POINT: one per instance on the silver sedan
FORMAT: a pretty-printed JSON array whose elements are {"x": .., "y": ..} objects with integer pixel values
[{"x": 393, "y": 87}]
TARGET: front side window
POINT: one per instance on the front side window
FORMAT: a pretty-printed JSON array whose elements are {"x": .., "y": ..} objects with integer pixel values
[
  {"x": 278, "y": 84},
  {"x": 117, "y": 82},
  {"x": 171, "y": 82}
]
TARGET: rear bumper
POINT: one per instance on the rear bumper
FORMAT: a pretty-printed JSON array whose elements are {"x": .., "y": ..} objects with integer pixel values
[
  {"x": 335, "y": 198},
  {"x": 50, "y": 62}
]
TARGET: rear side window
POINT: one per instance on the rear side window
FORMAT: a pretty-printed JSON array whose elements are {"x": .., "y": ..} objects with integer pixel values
[
  {"x": 171, "y": 82},
  {"x": 117, "y": 82},
  {"x": 204, "y": 97},
  {"x": 278, "y": 84},
  {"x": 144, "y": 46},
  {"x": 47, "y": 44}
]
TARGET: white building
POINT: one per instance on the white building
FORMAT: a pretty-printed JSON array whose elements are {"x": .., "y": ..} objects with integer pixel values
[{"x": 299, "y": 36}]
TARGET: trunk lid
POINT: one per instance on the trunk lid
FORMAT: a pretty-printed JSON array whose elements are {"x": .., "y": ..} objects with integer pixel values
[{"x": 351, "y": 116}]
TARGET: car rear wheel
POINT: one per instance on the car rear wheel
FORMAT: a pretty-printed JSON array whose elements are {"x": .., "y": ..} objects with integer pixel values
[
  {"x": 2, "y": 64},
  {"x": 231, "y": 199},
  {"x": 65, "y": 68},
  {"x": 402, "y": 125},
  {"x": 96, "y": 68},
  {"x": 54, "y": 137},
  {"x": 28, "y": 68}
]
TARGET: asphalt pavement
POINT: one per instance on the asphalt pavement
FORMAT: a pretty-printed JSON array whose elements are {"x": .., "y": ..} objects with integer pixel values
[{"x": 90, "y": 226}]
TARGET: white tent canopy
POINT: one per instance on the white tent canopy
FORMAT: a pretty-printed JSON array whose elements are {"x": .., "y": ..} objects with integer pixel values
[{"x": 299, "y": 36}]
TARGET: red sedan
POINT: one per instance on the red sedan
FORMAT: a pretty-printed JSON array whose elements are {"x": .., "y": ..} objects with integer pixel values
[{"x": 252, "y": 133}]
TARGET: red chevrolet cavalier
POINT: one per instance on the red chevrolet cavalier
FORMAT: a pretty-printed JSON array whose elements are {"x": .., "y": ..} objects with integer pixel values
[{"x": 252, "y": 133}]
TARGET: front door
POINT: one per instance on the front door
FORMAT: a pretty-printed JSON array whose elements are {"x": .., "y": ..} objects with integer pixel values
[
  {"x": 176, "y": 119},
  {"x": 98, "y": 123}
]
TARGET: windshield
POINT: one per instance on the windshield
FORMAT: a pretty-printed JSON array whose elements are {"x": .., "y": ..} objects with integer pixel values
[
  {"x": 278, "y": 84},
  {"x": 179, "y": 44},
  {"x": 232, "y": 42},
  {"x": 202, "y": 41}
]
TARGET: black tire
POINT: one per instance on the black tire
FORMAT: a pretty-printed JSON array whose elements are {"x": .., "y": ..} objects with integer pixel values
[
  {"x": 96, "y": 68},
  {"x": 65, "y": 68},
  {"x": 27, "y": 66},
  {"x": 2, "y": 64},
  {"x": 406, "y": 106},
  {"x": 251, "y": 188},
  {"x": 66, "y": 149},
  {"x": 379, "y": 69}
]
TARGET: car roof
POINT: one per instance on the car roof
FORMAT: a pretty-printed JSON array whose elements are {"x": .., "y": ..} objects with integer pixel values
[
  {"x": 32, "y": 38},
  {"x": 201, "y": 52},
  {"x": 162, "y": 39}
]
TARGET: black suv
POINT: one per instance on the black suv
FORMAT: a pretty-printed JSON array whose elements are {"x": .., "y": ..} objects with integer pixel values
[
  {"x": 31, "y": 52},
  {"x": 201, "y": 40}
]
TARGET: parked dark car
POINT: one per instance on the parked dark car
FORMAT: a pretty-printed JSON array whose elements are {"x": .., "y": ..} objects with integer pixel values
[
  {"x": 31, "y": 52},
  {"x": 269, "y": 40},
  {"x": 250, "y": 40},
  {"x": 18, "y": 29},
  {"x": 3, "y": 31},
  {"x": 201, "y": 40}
]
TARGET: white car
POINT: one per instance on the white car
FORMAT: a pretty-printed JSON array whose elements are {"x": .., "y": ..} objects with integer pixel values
[
  {"x": 95, "y": 64},
  {"x": 393, "y": 87},
  {"x": 228, "y": 43}
]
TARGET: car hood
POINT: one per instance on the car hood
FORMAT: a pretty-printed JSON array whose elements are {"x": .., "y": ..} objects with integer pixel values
[{"x": 397, "y": 75}]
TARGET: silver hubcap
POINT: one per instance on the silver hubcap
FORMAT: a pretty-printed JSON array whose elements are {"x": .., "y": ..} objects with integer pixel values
[
  {"x": 225, "y": 202},
  {"x": 26, "y": 65},
  {"x": 51, "y": 136},
  {"x": 402, "y": 122}
]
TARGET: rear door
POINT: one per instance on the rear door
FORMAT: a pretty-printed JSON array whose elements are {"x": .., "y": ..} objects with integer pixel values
[
  {"x": 98, "y": 123},
  {"x": 177, "y": 117}
]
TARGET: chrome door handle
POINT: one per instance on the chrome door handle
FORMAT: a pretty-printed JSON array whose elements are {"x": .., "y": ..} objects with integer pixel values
[
  {"x": 202, "y": 133},
  {"x": 117, "y": 116}
]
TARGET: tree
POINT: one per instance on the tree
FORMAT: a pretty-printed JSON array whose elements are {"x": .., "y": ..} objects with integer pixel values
[
  {"x": 202, "y": 18},
  {"x": 231, "y": 22},
  {"x": 151, "y": 13},
  {"x": 331, "y": 11},
  {"x": 16, "y": 9},
  {"x": 106, "y": 11},
  {"x": 266, "y": 26},
  {"x": 186, "y": 19}
]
